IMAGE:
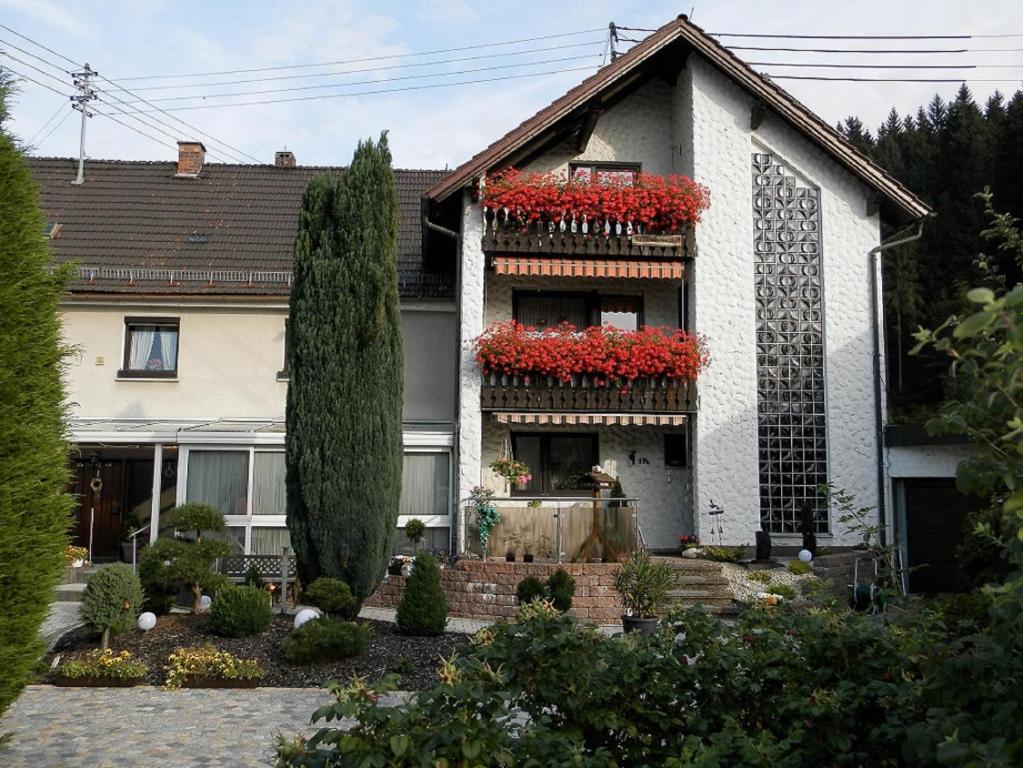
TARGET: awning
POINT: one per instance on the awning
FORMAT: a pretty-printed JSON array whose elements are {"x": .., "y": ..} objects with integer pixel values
[
  {"x": 592, "y": 419},
  {"x": 546, "y": 266}
]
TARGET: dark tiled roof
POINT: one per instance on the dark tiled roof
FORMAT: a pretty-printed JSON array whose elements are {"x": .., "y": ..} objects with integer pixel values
[{"x": 134, "y": 227}]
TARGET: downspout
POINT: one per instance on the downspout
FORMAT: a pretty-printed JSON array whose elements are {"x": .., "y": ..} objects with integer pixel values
[
  {"x": 455, "y": 463},
  {"x": 874, "y": 255}
]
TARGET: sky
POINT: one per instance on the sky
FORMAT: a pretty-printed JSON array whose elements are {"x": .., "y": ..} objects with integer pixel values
[{"x": 430, "y": 127}]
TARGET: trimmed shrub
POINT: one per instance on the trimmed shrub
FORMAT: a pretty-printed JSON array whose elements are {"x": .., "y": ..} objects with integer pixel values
[
  {"x": 253, "y": 578},
  {"x": 798, "y": 567},
  {"x": 111, "y": 601},
  {"x": 240, "y": 611},
  {"x": 158, "y": 581},
  {"x": 725, "y": 554},
  {"x": 326, "y": 639},
  {"x": 332, "y": 596},
  {"x": 423, "y": 609},
  {"x": 530, "y": 589},
  {"x": 561, "y": 588}
]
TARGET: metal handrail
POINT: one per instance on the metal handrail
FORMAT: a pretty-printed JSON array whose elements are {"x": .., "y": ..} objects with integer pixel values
[
  {"x": 555, "y": 498},
  {"x": 135, "y": 546}
]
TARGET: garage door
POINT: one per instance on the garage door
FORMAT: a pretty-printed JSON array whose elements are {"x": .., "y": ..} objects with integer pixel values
[{"x": 935, "y": 521}]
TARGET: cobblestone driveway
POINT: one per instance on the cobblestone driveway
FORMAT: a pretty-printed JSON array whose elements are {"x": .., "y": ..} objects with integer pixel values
[{"x": 148, "y": 727}]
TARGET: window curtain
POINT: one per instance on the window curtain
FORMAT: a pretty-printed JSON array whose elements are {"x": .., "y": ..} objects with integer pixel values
[
  {"x": 269, "y": 541},
  {"x": 220, "y": 479},
  {"x": 268, "y": 497},
  {"x": 141, "y": 347},
  {"x": 168, "y": 348},
  {"x": 424, "y": 484},
  {"x": 542, "y": 312}
]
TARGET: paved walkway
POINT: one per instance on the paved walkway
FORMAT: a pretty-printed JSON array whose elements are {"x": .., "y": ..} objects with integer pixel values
[{"x": 147, "y": 727}]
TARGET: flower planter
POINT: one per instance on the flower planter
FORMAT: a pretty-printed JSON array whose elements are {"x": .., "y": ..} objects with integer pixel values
[
  {"x": 640, "y": 625},
  {"x": 98, "y": 682},
  {"x": 394, "y": 570},
  {"x": 206, "y": 681}
]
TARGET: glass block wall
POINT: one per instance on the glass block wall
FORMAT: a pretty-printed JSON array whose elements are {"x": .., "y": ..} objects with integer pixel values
[{"x": 792, "y": 428}]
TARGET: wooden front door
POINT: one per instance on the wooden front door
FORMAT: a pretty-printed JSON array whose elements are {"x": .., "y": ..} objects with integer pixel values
[{"x": 98, "y": 486}]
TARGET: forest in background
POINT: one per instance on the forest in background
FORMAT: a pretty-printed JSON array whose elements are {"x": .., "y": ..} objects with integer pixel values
[{"x": 946, "y": 153}]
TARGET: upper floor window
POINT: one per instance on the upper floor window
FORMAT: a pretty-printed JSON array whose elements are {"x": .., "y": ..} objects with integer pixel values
[
  {"x": 548, "y": 309},
  {"x": 605, "y": 172},
  {"x": 150, "y": 347}
]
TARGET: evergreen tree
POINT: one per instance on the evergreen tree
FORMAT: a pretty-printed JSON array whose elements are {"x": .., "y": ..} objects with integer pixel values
[
  {"x": 34, "y": 509},
  {"x": 344, "y": 450}
]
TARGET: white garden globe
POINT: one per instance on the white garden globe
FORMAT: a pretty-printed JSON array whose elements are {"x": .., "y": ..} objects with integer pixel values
[
  {"x": 147, "y": 621},
  {"x": 805, "y": 555},
  {"x": 306, "y": 614},
  {"x": 205, "y": 602}
]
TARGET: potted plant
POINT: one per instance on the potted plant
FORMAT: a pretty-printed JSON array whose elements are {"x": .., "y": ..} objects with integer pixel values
[
  {"x": 487, "y": 515},
  {"x": 643, "y": 585},
  {"x": 514, "y": 472},
  {"x": 415, "y": 530},
  {"x": 102, "y": 668},
  {"x": 75, "y": 556},
  {"x": 513, "y": 545},
  {"x": 394, "y": 567}
]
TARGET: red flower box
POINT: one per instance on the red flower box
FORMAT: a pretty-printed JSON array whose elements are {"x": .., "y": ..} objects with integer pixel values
[{"x": 646, "y": 202}]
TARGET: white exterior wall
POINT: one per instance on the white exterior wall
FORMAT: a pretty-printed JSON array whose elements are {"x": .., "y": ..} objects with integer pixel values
[{"x": 927, "y": 460}]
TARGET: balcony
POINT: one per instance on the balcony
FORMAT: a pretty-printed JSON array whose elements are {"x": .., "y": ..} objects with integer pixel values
[{"x": 525, "y": 394}]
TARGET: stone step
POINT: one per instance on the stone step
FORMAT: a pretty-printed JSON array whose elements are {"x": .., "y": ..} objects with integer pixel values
[
  {"x": 709, "y": 580},
  {"x": 717, "y": 608},
  {"x": 71, "y": 593},
  {"x": 683, "y": 595}
]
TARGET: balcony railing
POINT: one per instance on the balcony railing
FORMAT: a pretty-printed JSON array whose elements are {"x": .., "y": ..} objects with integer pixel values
[
  {"x": 523, "y": 393},
  {"x": 582, "y": 238}
]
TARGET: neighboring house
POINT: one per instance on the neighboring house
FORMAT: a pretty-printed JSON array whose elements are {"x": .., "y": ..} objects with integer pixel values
[{"x": 178, "y": 319}]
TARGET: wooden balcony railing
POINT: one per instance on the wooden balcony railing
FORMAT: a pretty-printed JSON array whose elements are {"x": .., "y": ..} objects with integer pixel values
[
  {"x": 583, "y": 239},
  {"x": 517, "y": 393}
]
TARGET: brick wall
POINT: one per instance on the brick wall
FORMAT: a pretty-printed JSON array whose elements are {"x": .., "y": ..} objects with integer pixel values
[{"x": 486, "y": 590}]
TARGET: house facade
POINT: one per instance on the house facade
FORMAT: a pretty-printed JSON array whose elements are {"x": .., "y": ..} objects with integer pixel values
[{"x": 177, "y": 317}]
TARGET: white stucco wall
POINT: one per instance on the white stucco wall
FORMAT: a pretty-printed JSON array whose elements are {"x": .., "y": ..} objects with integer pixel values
[{"x": 926, "y": 460}]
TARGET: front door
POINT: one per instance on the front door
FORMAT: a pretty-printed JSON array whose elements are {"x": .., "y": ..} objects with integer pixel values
[{"x": 98, "y": 486}]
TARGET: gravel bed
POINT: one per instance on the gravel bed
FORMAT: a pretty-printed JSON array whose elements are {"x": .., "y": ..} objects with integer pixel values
[
  {"x": 414, "y": 658},
  {"x": 745, "y": 589}
]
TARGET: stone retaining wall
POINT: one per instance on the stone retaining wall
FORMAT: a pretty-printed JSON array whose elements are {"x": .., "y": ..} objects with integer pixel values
[{"x": 486, "y": 590}]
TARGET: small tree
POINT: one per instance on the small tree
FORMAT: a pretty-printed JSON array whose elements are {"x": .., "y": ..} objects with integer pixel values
[
  {"x": 415, "y": 530},
  {"x": 423, "y": 609},
  {"x": 332, "y": 596},
  {"x": 111, "y": 601},
  {"x": 192, "y": 561}
]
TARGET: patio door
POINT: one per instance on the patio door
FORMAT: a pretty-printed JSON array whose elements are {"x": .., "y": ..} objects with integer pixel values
[{"x": 98, "y": 484}]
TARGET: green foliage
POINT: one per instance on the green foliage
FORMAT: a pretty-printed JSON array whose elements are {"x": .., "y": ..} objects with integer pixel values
[
  {"x": 725, "y": 554},
  {"x": 173, "y": 561},
  {"x": 530, "y": 589},
  {"x": 487, "y": 517},
  {"x": 195, "y": 518},
  {"x": 240, "y": 611},
  {"x": 34, "y": 510},
  {"x": 643, "y": 583},
  {"x": 253, "y": 578},
  {"x": 808, "y": 527},
  {"x": 111, "y": 600},
  {"x": 783, "y": 590},
  {"x": 561, "y": 589},
  {"x": 415, "y": 530},
  {"x": 104, "y": 664},
  {"x": 158, "y": 580},
  {"x": 423, "y": 609},
  {"x": 798, "y": 567},
  {"x": 332, "y": 596},
  {"x": 344, "y": 440},
  {"x": 206, "y": 661},
  {"x": 980, "y": 556},
  {"x": 763, "y": 577},
  {"x": 326, "y": 639}
]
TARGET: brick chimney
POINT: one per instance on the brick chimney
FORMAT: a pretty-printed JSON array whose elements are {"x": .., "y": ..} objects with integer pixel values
[
  {"x": 191, "y": 156},
  {"x": 284, "y": 159}
]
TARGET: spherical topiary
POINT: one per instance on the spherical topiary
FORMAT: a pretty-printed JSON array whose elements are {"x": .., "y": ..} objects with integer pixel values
[
  {"x": 423, "y": 609},
  {"x": 195, "y": 517},
  {"x": 326, "y": 639},
  {"x": 240, "y": 611},
  {"x": 529, "y": 589},
  {"x": 561, "y": 588},
  {"x": 332, "y": 596},
  {"x": 112, "y": 600}
]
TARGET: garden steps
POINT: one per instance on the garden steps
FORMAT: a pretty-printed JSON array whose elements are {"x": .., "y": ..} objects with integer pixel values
[
  {"x": 69, "y": 593},
  {"x": 701, "y": 583}
]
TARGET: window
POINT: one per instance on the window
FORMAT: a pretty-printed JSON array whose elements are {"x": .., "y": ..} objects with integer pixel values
[
  {"x": 557, "y": 462},
  {"x": 548, "y": 309},
  {"x": 425, "y": 484},
  {"x": 674, "y": 450},
  {"x": 220, "y": 479},
  {"x": 606, "y": 172},
  {"x": 150, "y": 347}
]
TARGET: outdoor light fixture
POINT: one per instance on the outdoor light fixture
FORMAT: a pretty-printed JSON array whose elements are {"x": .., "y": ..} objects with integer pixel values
[
  {"x": 805, "y": 555},
  {"x": 205, "y": 602},
  {"x": 147, "y": 621},
  {"x": 306, "y": 614}
]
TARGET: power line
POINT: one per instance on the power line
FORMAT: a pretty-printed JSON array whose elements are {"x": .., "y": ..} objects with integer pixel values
[
  {"x": 367, "y": 58},
  {"x": 31, "y": 80},
  {"x": 34, "y": 56},
  {"x": 882, "y": 66},
  {"x": 370, "y": 82},
  {"x": 883, "y": 51},
  {"x": 858, "y": 37},
  {"x": 46, "y": 124},
  {"x": 31, "y": 66},
  {"x": 893, "y": 79},
  {"x": 181, "y": 86},
  {"x": 133, "y": 128},
  {"x": 52, "y": 130}
]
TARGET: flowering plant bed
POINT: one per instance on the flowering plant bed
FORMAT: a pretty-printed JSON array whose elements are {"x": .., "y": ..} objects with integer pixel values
[
  {"x": 643, "y": 203},
  {"x": 607, "y": 354},
  {"x": 104, "y": 669},
  {"x": 209, "y": 667}
]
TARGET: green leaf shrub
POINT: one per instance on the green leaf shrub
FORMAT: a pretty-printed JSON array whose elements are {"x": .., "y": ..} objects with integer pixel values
[
  {"x": 195, "y": 518},
  {"x": 325, "y": 639},
  {"x": 415, "y": 530},
  {"x": 763, "y": 577},
  {"x": 111, "y": 600},
  {"x": 643, "y": 584},
  {"x": 423, "y": 609},
  {"x": 158, "y": 580},
  {"x": 725, "y": 554},
  {"x": 332, "y": 596},
  {"x": 530, "y": 589},
  {"x": 561, "y": 589},
  {"x": 253, "y": 578},
  {"x": 240, "y": 611},
  {"x": 783, "y": 590},
  {"x": 798, "y": 567},
  {"x": 171, "y": 561}
]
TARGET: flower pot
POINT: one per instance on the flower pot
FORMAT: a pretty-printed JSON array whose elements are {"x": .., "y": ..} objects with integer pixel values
[
  {"x": 509, "y": 557},
  {"x": 77, "y": 563},
  {"x": 642, "y": 625},
  {"x": 527, "y": 558},
  {"x": 394, "y": 569}
]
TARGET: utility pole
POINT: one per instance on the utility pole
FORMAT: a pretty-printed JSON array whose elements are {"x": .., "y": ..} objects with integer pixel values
[
  {"x": 612, "y": 38},
  {"x": 80, "y": 101}
]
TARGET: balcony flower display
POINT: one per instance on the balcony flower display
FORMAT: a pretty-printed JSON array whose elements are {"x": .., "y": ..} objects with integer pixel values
[
  {"x": 511, "y": 470},
  {"x": 610, "y": 355},
  {"x": 644, "y": 202}
]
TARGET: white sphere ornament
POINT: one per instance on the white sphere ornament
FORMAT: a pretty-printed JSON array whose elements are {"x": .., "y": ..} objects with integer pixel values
[
  {"x": 205, "y": 602},
  {"x": 805, "y": 555},
  {"x": 306, "y": 614},
  {"x": 147, "y": 621}
]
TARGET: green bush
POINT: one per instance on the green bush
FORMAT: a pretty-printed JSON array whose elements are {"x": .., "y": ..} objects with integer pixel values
[
  {"x": 783, "y": 590},
  {"x": 763, "y": 577},
  {"x": 332, "y": 596},
  {"x": 530, "y": 589},
  {"x": 415, "y": 530},
  {"x": 423, "y": 610},
  {"x": 240, "y": 611},
  {"x": 561, "y": 589},
  {"x": 195, "y": 518},
  {"x": 980, "y": 558},
  {"x": 253, "y": 578},
  {"x": 191, "y": 561},
  {"x": 798, "y": 567},
  {"x": 725, "y": 554},
  {"x": 111, "y": 600},
  {"x": 642, "y": 584},
  {"x": 158, "y": 581},
  {"x": 326, "y": 639}
]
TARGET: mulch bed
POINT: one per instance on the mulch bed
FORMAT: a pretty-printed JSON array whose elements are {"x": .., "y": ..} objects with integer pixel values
[{"x": 414, "y": 658}]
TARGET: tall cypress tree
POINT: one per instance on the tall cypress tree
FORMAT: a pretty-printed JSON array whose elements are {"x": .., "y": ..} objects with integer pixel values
[
  {"x": 344, "y": 450},
  {"x": 34, "y": 509}
]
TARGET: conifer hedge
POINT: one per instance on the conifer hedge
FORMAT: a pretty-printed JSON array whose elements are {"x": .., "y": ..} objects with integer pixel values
[
  {"x": 343, "y": 445},
  {"x": 34, "y": 509}
]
